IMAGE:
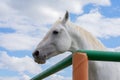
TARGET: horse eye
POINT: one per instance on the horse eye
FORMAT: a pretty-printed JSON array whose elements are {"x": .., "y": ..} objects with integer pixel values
[{"x": 55, "y": 32}]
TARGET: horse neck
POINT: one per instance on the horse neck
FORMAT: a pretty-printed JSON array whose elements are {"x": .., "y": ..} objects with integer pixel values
[{"x": 82, "y": 39}]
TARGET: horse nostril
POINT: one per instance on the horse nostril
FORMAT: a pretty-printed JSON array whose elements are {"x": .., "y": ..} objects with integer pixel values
[{"x": 36, "y": 53}]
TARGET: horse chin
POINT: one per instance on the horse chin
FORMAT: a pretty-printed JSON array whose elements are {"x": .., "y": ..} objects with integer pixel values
[
  {"x": 40, "y": 61},
  {"x": 52, "y": 54}
]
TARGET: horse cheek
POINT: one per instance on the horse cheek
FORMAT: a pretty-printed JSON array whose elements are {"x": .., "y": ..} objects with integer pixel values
[{"x": 64, "y": 44}]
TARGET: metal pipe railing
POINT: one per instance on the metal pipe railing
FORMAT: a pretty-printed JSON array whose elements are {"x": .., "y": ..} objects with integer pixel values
[
  {"x": 92, "y": 55},
  {"x": 55, "y": 68}
]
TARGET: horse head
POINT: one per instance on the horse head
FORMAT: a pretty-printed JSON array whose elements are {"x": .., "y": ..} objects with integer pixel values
[{"x": 56, "y": 41}]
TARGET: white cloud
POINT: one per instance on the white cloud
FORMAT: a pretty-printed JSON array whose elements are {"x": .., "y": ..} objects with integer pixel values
[
  {"x": 117, "y": 49},
  {"x": 9, "y": 78},
  {"x": 16, "y": 41},
  {"x": 22, "y": 25},
  {"x": 18, "y": 64},
  {"x": 57, "y": 58},
  {"x": 5, "y": 9},
  {"x": 21, "y": 77},
  {"x": 25, "y": 77},
  {"x": 26, "y": 33},
  {"x": 58, "y": 77},
  {"x": 99, "y": 2},
  {"x": 99, "y": 25},
  {"x": 21, "y": 65},
  {"x": 45, "y": 11}
]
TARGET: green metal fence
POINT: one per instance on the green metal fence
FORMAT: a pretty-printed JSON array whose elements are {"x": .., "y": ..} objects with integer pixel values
[{"x": 92, "y": 55}]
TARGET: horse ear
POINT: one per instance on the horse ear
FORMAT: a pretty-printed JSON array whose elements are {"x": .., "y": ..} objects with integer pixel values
[{"x": 66, "y": 17}]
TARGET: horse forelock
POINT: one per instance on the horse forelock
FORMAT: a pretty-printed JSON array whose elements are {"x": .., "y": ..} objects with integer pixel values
[{"x": 58, "y": 21}]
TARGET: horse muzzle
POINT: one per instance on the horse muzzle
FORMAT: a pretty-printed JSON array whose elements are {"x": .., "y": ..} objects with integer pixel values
[{"x": 39, "y": 58}]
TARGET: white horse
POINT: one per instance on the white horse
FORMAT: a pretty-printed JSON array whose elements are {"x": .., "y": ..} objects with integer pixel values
[{"x": 65, "y": 36}]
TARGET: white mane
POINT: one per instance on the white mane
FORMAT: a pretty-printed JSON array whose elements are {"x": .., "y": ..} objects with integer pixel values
[{"x": 79, "y": 32}]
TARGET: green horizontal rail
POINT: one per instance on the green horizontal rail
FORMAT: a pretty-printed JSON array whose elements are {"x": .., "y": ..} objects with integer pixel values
[{"x": 92, "y": 55}]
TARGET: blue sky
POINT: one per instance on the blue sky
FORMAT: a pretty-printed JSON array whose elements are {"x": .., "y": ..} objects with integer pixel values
[{"x": 22, "y": 28}]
